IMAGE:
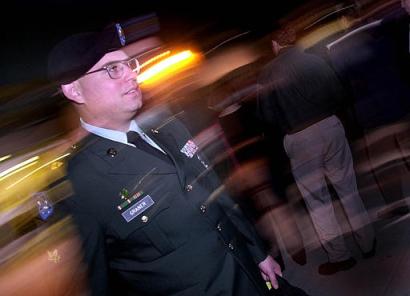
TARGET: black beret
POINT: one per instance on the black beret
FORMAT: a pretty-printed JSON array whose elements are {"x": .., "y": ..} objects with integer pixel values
[{"x": 75, "y": 55}]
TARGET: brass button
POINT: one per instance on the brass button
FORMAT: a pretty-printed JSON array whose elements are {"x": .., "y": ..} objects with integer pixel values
[
  {"x": 112, "y": 152},
  {"x": 188, "y": 187},
  {"x": 202, "y": 208},
  {"x": 144, "y": 219},
  {"x": 219, "y": 227},
  {"x": 231, "y": 246}
]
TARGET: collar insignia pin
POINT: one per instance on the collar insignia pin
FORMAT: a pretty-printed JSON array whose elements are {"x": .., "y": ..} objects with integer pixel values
[{"x": 112, "y": 152}]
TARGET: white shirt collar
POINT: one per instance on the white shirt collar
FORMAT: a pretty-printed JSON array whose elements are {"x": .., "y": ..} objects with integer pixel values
[{"x": 113, "y": 135}]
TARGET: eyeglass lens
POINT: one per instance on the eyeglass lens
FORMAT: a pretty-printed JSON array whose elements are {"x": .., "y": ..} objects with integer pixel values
[
  {"x": 116, "y": 70},
  {"x": 134, "y": 65}
]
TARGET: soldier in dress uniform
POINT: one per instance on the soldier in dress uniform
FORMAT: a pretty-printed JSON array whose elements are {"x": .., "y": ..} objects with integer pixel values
[{"x": 153, "y": 218}]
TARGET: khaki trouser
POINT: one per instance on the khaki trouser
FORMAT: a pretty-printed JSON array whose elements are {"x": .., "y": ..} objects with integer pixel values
[{"x": 321, "y": 152}]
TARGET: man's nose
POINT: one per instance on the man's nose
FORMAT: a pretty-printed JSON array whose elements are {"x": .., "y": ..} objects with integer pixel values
[{"x": 129, "y": 73}]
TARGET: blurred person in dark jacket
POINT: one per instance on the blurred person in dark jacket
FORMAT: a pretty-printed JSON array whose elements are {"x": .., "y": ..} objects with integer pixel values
[{"x": 299, "y": 94}]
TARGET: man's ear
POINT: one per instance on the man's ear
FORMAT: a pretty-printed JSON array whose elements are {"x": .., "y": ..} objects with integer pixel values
[{"x": 72, "y": 92}]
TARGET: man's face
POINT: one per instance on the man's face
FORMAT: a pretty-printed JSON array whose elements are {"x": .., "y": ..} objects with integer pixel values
[{"x": 108, "y": 100}]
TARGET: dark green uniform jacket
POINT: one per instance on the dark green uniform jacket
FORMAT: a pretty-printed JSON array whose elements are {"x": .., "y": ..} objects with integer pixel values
[{"x": 179, "y": 234}]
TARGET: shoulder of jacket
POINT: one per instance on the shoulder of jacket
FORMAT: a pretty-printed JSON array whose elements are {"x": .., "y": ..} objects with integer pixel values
[
  {"x": 81, "y": 150},
  {"x": 161, "y": 118}
]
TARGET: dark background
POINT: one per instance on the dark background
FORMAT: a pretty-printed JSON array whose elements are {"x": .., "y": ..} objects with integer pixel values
[{"x": 30, "y": 28}]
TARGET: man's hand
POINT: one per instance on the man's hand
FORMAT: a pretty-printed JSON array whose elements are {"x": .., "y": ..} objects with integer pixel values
[{"x": 269, "y": 268}]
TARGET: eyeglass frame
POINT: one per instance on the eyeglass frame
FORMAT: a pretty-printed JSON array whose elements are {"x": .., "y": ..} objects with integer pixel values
[{"x": 125, "y": 63}]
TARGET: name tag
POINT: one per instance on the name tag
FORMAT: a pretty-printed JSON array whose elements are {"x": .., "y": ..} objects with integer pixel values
[{"x": 138, "y": 208}]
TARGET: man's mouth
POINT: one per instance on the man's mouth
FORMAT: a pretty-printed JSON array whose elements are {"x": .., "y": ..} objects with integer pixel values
[{"x": 131, "y": 91}]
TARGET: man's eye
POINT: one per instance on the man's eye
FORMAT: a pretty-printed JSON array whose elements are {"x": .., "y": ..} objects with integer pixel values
[{"x": 113, "y": 68}]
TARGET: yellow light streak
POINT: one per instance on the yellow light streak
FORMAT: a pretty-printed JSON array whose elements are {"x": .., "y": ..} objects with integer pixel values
[
  {"x": 3, "y": 158},
  {"x": 36, "y": 170},
  {"x": 14, "y": 169},
  {"x": 18, "y": 170},
  {"x": 173, "y": 62},
  {"x": 156, "y": 58}
]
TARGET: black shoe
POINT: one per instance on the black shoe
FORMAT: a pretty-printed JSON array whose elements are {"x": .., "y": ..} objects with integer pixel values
[
  {"x": 333, "y": 267},
  {"x": 299, "y": 257},
  {"x": 287, "y": 289},
  {"x": 372, "y": 252}
]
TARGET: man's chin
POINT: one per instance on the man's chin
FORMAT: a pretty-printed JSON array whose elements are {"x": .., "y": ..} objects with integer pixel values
[{"x": 138, "y": 105}]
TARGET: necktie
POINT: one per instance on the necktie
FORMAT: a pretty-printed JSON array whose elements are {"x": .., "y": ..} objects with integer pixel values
[{"x": 135, "y": 138}]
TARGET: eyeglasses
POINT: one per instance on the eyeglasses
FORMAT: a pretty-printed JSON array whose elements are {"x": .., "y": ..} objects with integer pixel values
[{"x": 116, "y": 70}]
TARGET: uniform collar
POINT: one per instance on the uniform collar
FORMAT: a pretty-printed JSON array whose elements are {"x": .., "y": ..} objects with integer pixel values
[{"x": 114, "y": 135}]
